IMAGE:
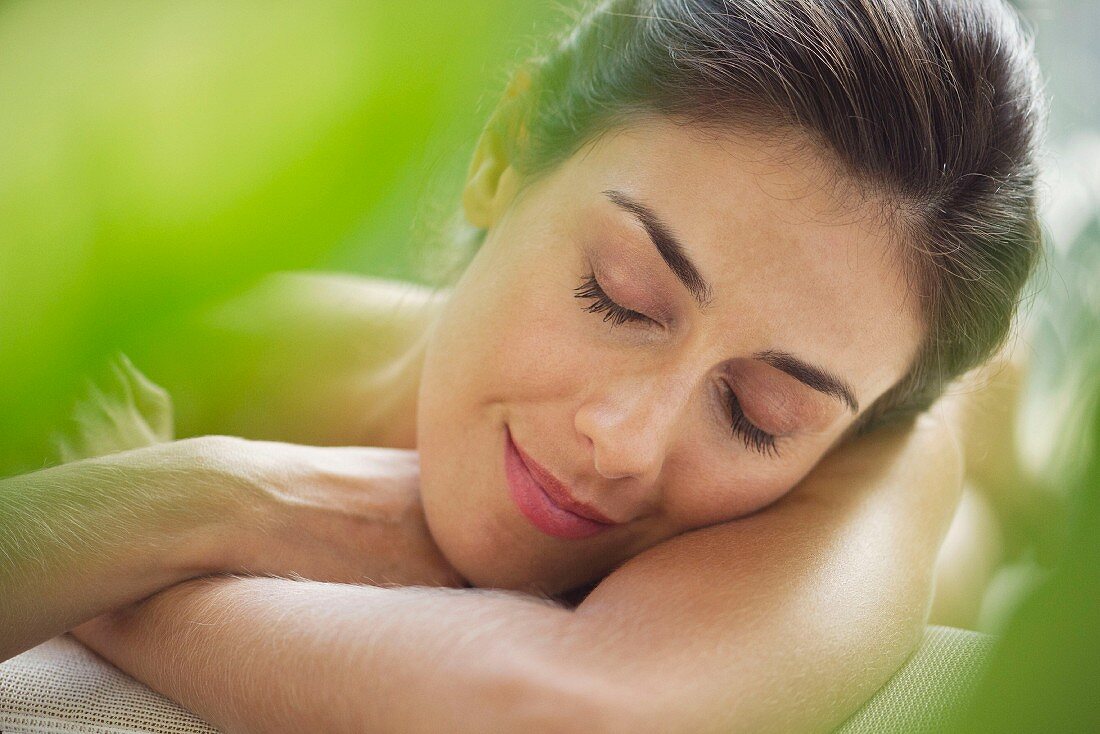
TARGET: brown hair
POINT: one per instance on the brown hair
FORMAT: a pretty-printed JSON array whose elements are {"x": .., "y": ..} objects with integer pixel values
[{"x": 935, "y": 104}]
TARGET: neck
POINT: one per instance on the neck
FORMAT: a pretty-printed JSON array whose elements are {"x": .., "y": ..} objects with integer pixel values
[
  {"x": 397, "y": 429},
  {"x": 392, "y": 392}
]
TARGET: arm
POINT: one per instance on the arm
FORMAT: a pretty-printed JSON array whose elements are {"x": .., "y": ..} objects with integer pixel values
[
  {"x": 88, "y": 536},
  {"x": 82, "y": 538},
  {"x": 785, "y": 620},
  {"x": 131, "y": 513}
]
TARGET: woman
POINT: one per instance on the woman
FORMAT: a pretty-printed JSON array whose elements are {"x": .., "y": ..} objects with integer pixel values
[{"x": 720, "y": 247}]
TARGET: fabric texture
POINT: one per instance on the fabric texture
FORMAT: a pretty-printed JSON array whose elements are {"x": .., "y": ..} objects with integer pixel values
[
  {"x": 61, "y": 687},
  {"x": 927, "y": 692}
]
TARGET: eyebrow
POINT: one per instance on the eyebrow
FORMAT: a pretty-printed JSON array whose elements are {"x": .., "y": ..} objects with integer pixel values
[
  {"x": 668, "y": 246},
  {"x": 675, "y": 255},
  {"x": 811, "y": 376}
]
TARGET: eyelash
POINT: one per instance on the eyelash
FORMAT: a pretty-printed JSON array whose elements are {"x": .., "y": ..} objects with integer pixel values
[
  {"x": 754, "y": 438},
  {"x": 744, "y": 429},
  {"x": 616, "y": 314}
]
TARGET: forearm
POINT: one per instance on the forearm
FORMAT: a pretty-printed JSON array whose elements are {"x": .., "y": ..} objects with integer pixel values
[
  {"x": 812, "y": 603},
  {"x": 271, "y": 655},
  {"x": 785, "y": 620},
  {"x": 85, "y": 537}
]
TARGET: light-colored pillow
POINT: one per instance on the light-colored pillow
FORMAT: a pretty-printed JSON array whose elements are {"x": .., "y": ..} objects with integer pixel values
[
  {"x": 930, "y": 689},
  {"x": 61, "y": 686}
]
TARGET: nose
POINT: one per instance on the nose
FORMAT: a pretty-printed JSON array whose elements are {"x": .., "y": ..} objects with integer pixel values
[{"x": 630, "y": 424}]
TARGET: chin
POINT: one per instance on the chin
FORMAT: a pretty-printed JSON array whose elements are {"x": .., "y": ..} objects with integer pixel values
[
  {"x": 488, "y": 555},
  {"x": 492, "y": 552},
  {"x": 477, "y": 527}
]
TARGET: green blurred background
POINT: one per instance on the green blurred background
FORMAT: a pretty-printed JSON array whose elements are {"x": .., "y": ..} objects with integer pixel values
[
  {"x": 155, "y": 156},
  {"x": 1046, "y": 667}
]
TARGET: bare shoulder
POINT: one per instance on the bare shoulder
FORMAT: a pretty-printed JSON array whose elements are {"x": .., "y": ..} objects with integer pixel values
[
  {"x": 355, "y": 318},
  {"x": 291, "y": 358}
]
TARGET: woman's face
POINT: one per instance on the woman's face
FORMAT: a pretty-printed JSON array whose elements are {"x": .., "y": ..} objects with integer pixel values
[{"x": 765, "y": 307}]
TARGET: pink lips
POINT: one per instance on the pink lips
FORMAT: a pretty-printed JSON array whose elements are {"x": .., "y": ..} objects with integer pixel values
[{"x": 545, "y": 501}]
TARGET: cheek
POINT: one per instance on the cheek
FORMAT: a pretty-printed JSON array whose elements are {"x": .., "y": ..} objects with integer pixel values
[
  {"x": 532, "y": 342},
  {"x": 537, "y": 355},
  {"x": 496, "y": 353}
]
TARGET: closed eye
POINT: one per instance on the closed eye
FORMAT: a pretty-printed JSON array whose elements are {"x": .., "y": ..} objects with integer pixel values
[
  {"x": 590, "y": 289},
  {"x": 746, "y": 431}
]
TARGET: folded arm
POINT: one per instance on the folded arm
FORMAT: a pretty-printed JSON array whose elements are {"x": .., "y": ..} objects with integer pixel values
[
  {"x": 784, "y": 620},
  {"x": 86, "y": 537}
]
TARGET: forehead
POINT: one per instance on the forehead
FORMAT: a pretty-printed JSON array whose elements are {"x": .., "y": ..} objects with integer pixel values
[{"x": 798, "y": 257}]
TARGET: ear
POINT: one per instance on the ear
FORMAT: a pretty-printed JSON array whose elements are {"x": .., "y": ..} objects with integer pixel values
[{"x": 492, "y": 180}]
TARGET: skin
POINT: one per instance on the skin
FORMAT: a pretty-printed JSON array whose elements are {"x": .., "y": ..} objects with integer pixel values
[
  {"x": 722, "y": 626},
  {"x": 724, "y": 562},
  {"x": 632, "y": 416},
  {"x": 132, "y": 512}
]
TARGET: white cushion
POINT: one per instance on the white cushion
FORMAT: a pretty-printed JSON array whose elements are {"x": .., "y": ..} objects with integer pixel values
[{"x": 61, "y": 686}]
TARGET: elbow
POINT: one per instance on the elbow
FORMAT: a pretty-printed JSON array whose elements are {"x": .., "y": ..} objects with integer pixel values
[
  {"x": 567, "y": 710},
  {"x": 569, "y": 700}
]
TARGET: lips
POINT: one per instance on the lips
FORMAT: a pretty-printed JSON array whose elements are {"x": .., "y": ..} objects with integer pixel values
[{"x": 545, "y": 501}]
